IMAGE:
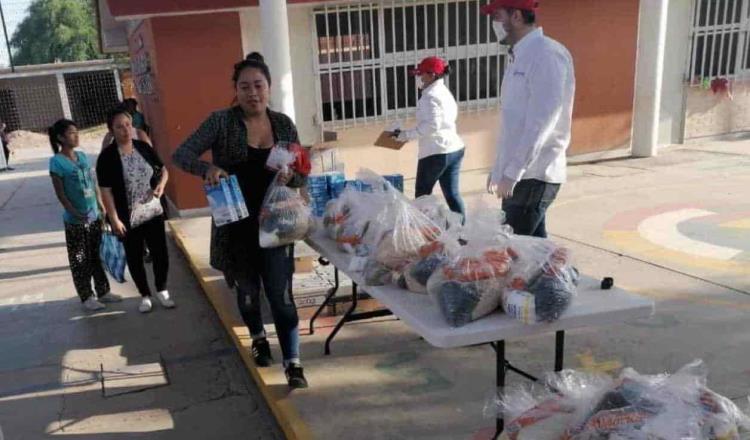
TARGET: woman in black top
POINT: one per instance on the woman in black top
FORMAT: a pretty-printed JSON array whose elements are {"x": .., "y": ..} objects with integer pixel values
[
  {"x": 240, "y": 139},
  {"x": 132, "y": 180}
]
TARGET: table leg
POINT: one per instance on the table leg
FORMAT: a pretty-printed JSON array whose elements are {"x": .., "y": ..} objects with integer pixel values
[
  {"x": 500, "y": 390},
  {"x": 331, "y": 292},
  {"x": 343, "y": 319},
  {"x": 559, "y": 349}
]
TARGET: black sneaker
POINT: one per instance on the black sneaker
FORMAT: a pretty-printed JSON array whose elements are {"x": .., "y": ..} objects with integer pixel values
[
  {"x": 261, "y": 351},
  {"x": 295, "y": 377}
]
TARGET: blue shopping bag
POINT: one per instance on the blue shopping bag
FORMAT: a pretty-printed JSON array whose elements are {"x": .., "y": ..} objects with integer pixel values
[{"x": 112, "y": 254}]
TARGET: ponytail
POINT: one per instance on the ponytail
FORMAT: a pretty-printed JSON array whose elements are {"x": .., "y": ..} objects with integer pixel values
[{"x": 56, "y": 130}]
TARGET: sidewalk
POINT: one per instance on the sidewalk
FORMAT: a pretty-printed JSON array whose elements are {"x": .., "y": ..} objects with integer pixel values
[
  {"x": 674, "y": 228},
  {"x": 167, "y": 375}
]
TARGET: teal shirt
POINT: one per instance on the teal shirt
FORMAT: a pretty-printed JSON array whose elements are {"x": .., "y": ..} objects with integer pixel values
[
  {"x": 139, "y": 121},
  {"x": 78, "y": 184}
]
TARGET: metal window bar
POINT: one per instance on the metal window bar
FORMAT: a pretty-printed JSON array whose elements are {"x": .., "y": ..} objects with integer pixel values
[
  {"x": 352, "y": 51},
  {"x": 331, "y": 109},
  {"x": 743, "y": 42},
  {"x": 361, "y": 58},
  {"x": 715, "y": 4}
]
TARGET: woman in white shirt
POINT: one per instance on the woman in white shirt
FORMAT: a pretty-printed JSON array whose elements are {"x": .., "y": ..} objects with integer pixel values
[{"x": 441, "y": 150}]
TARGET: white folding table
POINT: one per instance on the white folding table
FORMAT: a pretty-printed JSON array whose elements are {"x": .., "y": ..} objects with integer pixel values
[{"x": 592, "y": 306}]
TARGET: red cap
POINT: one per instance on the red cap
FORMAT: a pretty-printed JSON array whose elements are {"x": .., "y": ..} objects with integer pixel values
[
  {"x": 434, "y": 65},
  {"x": 525, "y": 5}
]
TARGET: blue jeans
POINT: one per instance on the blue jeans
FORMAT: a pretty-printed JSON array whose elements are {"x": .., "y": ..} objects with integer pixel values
[
  {"x": 446, "y": 169},
  {"x": 275, "y": 268},
  {"x": 526, "y": 211}
]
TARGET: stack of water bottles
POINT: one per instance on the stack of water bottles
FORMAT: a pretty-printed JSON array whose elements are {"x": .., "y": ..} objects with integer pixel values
[
  {"x": 396, "y": 180},
  {"x": 329, "y": 186},
  {"x": 323, "y": 188}
]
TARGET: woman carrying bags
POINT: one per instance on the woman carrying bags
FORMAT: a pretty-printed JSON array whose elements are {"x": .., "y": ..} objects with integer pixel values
[
  {"x": 441, "y": 150},
  {"x": 241, "y": 139},
  {"x": 132, "y": 180},
  {"x": 75, "y": 187}
]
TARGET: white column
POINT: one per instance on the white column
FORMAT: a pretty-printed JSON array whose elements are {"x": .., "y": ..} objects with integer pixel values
[
  {"x": 67, "y": 114},
  {"x": 652, "y": 33},
  {"x": 276, "y": 51},
  {"x": 118, "y": 83}
]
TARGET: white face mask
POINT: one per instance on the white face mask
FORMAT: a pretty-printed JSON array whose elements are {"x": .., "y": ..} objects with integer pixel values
[
  {"x": 420, "y": 84},
  {"x": 500, "y": 32}
]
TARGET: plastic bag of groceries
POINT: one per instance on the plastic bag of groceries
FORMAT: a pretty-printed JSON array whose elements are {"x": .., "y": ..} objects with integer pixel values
[
  {"x": 285, "y": 216},
  {"x": 545, "y": 412},
  {"x": 542, "y": 280},
  {"x": 431, "y": 256},
  {"x": 375, "y": 274},
  {"x": 469, "y": 285},
  {"x": 348, "y": 218},
  {"x": 573, "y": 405},
  {"x": 437, "y": 211},
  {"x": 662, "y": 407},
  {"x": 402, "y": 231}
]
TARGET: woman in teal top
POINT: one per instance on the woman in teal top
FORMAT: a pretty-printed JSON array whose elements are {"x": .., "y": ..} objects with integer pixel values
[{"x": 76, "y": 189}]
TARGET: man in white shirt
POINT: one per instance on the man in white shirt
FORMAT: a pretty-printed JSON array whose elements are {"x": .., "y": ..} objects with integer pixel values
[{"x": 536, "y": 111}]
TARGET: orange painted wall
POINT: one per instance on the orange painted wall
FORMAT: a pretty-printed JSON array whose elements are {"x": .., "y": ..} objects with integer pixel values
[
  {"x": 602, "y": 38},
  {"x": 191, "y": 62}
]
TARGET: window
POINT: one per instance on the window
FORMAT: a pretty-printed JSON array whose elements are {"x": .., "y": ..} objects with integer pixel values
[
  {"x": 719, "y": 40},
  {"x": 365, "y": 52}
]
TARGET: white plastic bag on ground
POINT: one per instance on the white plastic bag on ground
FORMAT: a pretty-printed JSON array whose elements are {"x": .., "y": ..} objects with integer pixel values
[{"x": 545, "y": 412}]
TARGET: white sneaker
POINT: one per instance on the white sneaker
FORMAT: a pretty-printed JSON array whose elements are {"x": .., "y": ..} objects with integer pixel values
[
  {"x": 110, "y": 297},
  {"x": 164, "y": 299},
  {"x": 92, "y": 304},
  {"x": 146, "y": 305}
]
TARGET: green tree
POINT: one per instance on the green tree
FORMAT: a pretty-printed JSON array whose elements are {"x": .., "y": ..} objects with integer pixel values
[{"x": 63, "y": 30}]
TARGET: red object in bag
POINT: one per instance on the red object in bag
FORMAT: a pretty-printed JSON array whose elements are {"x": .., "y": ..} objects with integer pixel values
[{"x": 301, "y": 163}]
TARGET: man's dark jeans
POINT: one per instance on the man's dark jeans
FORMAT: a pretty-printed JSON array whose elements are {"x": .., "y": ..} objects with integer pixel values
[{"x": 525, "y": 212}]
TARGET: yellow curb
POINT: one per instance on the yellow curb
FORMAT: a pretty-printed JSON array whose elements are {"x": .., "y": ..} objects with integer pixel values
[{"x": 271, "y": 383}]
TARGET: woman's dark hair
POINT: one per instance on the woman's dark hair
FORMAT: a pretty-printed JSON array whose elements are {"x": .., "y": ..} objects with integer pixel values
[
  {"x": 446, "y": 71},
  {"x": 115, "y": 112},
  {"x": 56, "y": 130},
  {"x": 253, "y": 60},
  {"x": 131, "y": 104},
  {"x": 529, "y": 17}
]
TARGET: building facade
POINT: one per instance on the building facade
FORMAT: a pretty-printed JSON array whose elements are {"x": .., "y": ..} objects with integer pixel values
[{"x": 340, "y": 69}]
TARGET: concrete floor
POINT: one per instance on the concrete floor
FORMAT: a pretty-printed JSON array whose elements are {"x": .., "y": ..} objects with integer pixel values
[
  {"x": 673, "y": 228},
  {"x": 52, "y": 353}
]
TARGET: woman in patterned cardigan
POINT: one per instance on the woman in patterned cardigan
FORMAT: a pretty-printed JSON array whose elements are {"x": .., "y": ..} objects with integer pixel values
[{"x": 240, "y": 139}]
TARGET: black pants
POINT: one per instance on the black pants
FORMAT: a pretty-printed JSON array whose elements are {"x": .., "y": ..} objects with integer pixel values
[
  {"x": 153, "y": 235},
  {"x": 526, "y": 211},
  {"x": 6, "y": 151},
  {"x": 83, "y": 255},
  {"x": 274, "y": 268}
]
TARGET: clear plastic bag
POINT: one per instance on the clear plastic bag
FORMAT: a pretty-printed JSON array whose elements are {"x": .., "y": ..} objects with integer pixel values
[
  {"x": 348, "y": 219},
  {"x": 375, "y": 274},
  {"x": 431, "y": 256},
  {"x": 285, "y": 216},
  {"x": 662, "y": 407},
  {"x": 573, "y": 405},
  {"x": 437, "y": 211},
  {"x": 544, "y": 270},
  {"x": 406, "y": 230},
  {"x": 545, "y": 412},
  {"x": 469, "y": 285},
  {"x": 279, "y": 157}
]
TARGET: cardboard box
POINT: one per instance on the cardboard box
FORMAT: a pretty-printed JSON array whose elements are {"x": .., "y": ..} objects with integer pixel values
[{"x": 304, "y": 264}]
